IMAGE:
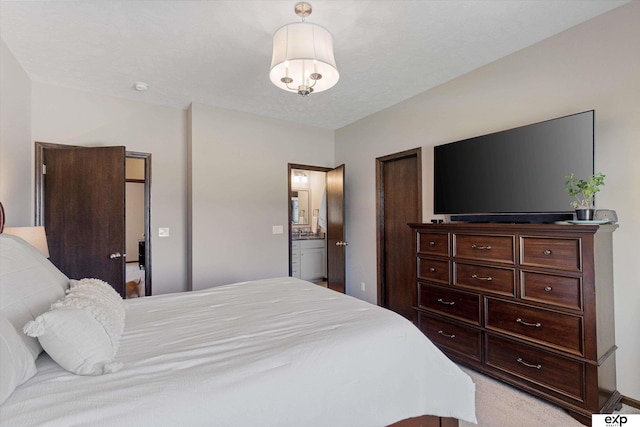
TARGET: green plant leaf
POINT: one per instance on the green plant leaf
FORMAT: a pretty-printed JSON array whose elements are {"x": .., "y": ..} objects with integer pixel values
[{"x": 583, "y": 190}]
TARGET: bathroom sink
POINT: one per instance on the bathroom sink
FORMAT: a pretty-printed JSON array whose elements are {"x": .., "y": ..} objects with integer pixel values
[{"x": 308, "y": 236}]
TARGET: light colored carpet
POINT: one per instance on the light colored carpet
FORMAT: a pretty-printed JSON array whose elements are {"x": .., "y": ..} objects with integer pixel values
[{"x": 500, "y": 405}]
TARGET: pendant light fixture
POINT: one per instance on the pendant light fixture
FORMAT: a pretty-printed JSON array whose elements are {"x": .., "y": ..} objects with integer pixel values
[{"x": 302, "y": 58}]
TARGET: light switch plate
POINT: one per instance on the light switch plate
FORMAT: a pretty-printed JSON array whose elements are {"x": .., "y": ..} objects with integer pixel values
[
  {"x": 163, "y": 232},
  {"x": 277, "y": 229}
]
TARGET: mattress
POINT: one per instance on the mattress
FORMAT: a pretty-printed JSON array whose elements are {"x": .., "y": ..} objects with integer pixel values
[{"x": 273, "y": 352}]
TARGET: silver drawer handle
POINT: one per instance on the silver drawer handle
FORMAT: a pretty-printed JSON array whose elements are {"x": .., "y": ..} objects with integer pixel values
[
  {"x": 481, "y": 248},
  {"x": 446, "y": 335},
  {"x": 432, "y": 269},
  {"x": 547, "y": 252},
  {"x": 488, "y": 279},
  {"x": 528, "y": 365},
  {"x": 548, "y": 288},
  {"x": 441, "y": 301},
  {"x": 537, "y": 324},
  {"x": 432, "y": 243}
]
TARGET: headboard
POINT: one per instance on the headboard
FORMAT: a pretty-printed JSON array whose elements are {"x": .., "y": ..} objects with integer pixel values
[{"x": 1, "y": 217}]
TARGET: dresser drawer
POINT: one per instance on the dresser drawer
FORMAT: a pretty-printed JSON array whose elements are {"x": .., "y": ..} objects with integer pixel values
[
  {"x": 433, "y": 270},
  {"x": 551, "y": 289},
  {"x": 461, "y": 305},
  {"x": 562, "y": 331},
  {"x": 484, "y": 247},
  {"x": 544, "y": 369},
  {"x": 486, "y": 279},
  {"x": 453, "y": 337},
  {"x": 433, "y": 243},
  {"x": 560, "y": 253}
]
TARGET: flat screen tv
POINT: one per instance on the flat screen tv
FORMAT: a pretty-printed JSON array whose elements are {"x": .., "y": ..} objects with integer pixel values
[{"x": 515, "y": 175}]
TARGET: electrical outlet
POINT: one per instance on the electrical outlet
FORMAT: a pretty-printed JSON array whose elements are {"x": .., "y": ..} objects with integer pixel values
[
  {"x": 277, "y": 229},
  {"x": 363, "y": 287},
  {"x": 163, "y": 232}
]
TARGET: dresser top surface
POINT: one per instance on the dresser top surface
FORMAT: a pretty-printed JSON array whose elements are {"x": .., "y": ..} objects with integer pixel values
[{"x": 489, "y": 227}]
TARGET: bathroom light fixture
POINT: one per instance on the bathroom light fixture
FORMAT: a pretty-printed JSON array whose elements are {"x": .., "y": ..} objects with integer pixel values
[
  {"x": 300, "y": 178},
  {"x": 302, "y": 59}
]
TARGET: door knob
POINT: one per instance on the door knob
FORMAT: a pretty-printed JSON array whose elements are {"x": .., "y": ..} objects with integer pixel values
[
  {"x": 341, "y": 243},
  {"x": 116, "y": 255}
]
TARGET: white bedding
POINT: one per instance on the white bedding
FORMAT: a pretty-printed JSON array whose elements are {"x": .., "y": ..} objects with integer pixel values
[{"x": 274, "y": 352}]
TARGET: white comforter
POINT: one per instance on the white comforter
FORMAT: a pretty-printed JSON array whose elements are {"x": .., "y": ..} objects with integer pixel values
[{"x": 274, "y": 352}]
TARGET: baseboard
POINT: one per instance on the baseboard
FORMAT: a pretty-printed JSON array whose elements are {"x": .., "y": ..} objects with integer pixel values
[{"x": 631, "y": 402}]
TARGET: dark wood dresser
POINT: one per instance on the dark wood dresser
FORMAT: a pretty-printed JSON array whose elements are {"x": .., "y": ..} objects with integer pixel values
[{"x": 531, "y": 305}]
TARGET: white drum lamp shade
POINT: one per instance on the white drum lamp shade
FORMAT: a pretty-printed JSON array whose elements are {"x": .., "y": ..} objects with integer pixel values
[{"x": 303, "y": 58}]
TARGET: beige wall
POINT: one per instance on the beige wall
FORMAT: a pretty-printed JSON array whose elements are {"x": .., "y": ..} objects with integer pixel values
[
  {"x": 593, "y": 66},
  {"x": 134, "y": 218},
  {"x": 32, "y": 111},
  {"x": 134, "y": 207},
  {"x": 15, "y": 141},
  {"x": 66, "y": 116},
  {"x": 239, "y": 191},
  {"x": 134, "y": 168}
]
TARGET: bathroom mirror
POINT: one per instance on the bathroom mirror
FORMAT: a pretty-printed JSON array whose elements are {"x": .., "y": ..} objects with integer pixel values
[{"x": 300, "y": 211}]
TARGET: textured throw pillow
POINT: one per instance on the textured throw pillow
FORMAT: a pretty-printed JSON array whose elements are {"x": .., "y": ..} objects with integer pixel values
[
  {"x": 16, "y": 362},
  {"x": 82, "y": 331}
]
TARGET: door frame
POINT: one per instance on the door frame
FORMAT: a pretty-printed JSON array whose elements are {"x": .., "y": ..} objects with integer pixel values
[
  {"x": 336, "y": 244},
  {"x": 39, "y": 196},
  {"x": 147, "y": 217},
  {"x": 380, "y": 221}
]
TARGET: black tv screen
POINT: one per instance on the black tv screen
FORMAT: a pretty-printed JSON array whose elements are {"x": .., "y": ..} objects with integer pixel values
[{"x": 520, "y": 170}]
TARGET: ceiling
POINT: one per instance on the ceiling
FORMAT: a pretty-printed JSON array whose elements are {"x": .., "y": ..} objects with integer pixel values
[{"x": 219, "y": 52}]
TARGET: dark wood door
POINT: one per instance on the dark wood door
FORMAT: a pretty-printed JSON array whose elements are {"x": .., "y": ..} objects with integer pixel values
[
  {"x": 336, "y": 245},
  {"x": 84, "y": 211},
  {"x": 399, "y": 203}
]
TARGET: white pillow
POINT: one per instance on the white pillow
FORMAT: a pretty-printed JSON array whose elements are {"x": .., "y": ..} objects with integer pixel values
[
  {"x": 98, "y": 297},
  {"x": 82, "y": 331},
  {"x": 29, "y": 284},
  {"x": 16, "y": 362}
]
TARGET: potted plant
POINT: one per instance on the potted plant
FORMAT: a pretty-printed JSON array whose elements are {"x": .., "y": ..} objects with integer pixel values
[{"x": 584, "y": 191}]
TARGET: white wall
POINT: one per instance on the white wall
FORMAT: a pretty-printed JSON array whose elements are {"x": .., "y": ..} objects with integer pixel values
[
  {"x": 317, "y": 184},
  {"x": 15, "y": 141},
  {"x": 66, "y": 116},
  {"x": 239, "y": 191},
  {"x": 134, "y": 207},
  {"x": 134, "y": 218},
  {"x": 595, "y": 65}
]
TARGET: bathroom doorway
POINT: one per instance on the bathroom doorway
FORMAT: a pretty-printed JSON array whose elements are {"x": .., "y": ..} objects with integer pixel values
[{"x": 316, "y": 225}]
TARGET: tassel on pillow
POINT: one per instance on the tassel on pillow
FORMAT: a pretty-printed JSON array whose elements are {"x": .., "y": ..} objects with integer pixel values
[{"x": 34, "y": 328}]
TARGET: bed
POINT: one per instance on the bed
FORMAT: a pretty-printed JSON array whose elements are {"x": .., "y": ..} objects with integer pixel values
[{"x": 272, "y": 352}]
